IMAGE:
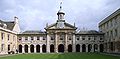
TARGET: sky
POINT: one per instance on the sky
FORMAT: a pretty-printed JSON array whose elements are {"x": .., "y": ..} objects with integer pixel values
[{"x": 34, "y": 14}]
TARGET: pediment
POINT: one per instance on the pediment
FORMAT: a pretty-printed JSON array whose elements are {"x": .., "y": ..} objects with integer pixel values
[{"x": 66, "y": 26}]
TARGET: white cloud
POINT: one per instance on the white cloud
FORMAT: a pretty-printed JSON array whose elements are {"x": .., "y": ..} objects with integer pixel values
[{"x": 35, "y": 14}]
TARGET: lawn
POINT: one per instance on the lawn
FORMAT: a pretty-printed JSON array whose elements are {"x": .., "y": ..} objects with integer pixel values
[{"x": 61, "y": 56}]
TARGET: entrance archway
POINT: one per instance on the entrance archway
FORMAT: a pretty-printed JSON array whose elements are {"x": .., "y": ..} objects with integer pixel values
[
  {"x": 32, "y": 48},
  {"x": 101, "y": 47},
  {"x": 38, "y": 48},
  {"x": 20, "y": 48},
  {"x": 43, "y": 48},
  {"x": 89, "y": 47},
  {"x": 51, "y": 48},
  {"x": 61, "y": 48},
  {"x": 26, "y": 48},
  {"x": 95, "y": 47},
  {"x": 77, "y": 48},
  {"x": 69, "y": 48},
  {"x": 83, "y": 48}
]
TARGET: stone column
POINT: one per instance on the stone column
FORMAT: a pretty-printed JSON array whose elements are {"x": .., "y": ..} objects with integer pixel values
[
  {"x": 98, "y": 50},
  {"x": 92, "y": 50},
  {"x": 80, "y": 47},
  {"x": 86, "y": 47},
  {"x": 48, "y": 45},
  {"x": 34, "y": 48},
  {"x": 116, "y": 46},
  {"x": 66, "y": 46},
  {"x": 56, "y": 47},
  {"x": 23, "y": 50},
  {"x": 29, "y": 49},
  {"x": 74, "y": 47},
  {"x": 40, "y": 48}
]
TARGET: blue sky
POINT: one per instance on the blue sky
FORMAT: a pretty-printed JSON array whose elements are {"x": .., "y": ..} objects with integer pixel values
[{"x": 34, "y": 14}]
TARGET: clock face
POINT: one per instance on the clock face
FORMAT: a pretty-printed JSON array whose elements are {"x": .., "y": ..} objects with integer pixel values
[{"x": 60, "y": 25}]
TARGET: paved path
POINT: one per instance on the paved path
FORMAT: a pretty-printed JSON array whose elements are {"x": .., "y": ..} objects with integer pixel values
[
  {"x": 112, "y": 54},
  {"x": 7, "y": 55}
]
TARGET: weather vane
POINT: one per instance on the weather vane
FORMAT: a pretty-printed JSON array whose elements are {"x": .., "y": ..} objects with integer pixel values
[{"x": 61, "y": 4}]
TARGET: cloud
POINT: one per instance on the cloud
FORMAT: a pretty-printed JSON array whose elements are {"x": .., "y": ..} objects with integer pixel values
[{"x": 33, "y": 15}]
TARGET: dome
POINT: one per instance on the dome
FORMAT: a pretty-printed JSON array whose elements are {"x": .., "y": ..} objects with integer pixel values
[{"x": 60, "y": 11}]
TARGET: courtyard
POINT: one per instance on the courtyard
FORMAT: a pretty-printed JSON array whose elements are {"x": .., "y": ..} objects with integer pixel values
[{"x": 61, "y": 56}]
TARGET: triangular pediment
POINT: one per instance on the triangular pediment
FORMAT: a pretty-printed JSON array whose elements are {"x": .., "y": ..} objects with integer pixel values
[{"x": 66, "y": 26}]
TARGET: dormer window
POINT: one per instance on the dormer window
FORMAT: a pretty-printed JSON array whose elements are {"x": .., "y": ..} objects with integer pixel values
[{"x": 4, "y": 26}]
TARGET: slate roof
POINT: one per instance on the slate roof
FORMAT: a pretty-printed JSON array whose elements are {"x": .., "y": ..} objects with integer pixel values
[
  {"x": 90, "y": 32},
  {"x": 33, "y": 32},
  {"x": 10, "y": 25}
]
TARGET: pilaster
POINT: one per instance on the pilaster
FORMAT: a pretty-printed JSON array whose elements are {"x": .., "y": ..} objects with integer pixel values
[
  {"x": 66, "y": 46},
  {"x": 74, "y": 47},
  {"x": 48, "y": 45},
  {"x": 56, "y": 47}
]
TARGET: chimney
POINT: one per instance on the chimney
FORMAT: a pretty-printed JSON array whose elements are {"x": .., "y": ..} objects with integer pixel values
[{"x": 16, "y": 19}]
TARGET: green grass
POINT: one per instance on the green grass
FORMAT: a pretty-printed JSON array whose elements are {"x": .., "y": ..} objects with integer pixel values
[{"x": 61, "y": 56}]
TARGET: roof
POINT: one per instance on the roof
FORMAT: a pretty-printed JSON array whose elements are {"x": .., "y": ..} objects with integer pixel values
[
  {"x": 51, "y": 25},
  {"x": 9, "y": 24},
  {"x": 65, "y": 24},
  {"x": 117, "y": 12},
  {"x": 33, "y": 32},
  {"x": 90, "y": 32}
]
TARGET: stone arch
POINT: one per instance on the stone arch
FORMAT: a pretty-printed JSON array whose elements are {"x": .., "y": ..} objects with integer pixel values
[
  {"x": 32, "y": 48},
  {"x": 95, "y": 47},
  {"x": 69, "y": 48},
  {"x": 60, "y": 48},
  {"x": 51, "y": 48},
  {"x": 43, "y": 48},
  {"x": 38, "y": 48},
  {"x": 77, "y": 48},
  {"x": 89, "y": 48},
  {"x": 83, "y": 48},
  {"x": 26, "y": 48},
  {"x": 101, "y": 47},
  {"x": 20, "y": 48}
]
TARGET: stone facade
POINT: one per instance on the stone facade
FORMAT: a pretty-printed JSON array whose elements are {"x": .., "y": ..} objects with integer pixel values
[
  {"x": 44, "y": 42},
  {"x": 111, "y": 27},
  {"x": 60, "y": 37},
  {"x": 8, "y": 37}
]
